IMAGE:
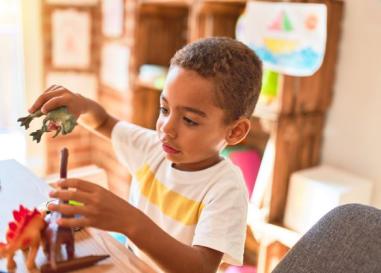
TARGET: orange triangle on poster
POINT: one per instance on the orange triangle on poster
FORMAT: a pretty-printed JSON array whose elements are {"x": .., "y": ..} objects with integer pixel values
[{"x": 277, "y": 23}]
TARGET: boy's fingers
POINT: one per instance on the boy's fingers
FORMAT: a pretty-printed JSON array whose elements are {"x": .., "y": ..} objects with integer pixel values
[
  {"x": 54, "y": 103},
  {"x": 67, "y": 195},
  {"x": 67, "y": 209},
  {"x": 52, "y": 88},
  {"x": 74, "y": 222},
  {"x": 79, "y": 184},
  {"x": 46, "y": 96}
]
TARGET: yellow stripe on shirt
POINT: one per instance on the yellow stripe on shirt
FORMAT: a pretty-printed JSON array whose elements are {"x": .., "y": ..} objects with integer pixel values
[{"x": 172, "y": 204}]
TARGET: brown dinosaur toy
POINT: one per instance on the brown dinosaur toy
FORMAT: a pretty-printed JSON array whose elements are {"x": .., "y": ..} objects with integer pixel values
[
  {"x": 54, "y": 236},
  {"x": 23, "y": 233}
]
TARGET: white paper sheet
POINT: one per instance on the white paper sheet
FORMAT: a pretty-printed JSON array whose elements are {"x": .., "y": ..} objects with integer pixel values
[
  {"x": 71, "y": 38},
  {"x": 112, "y": 18},
  {"x": 19, "y": 186},
  {"x": 114, "y": 66}
]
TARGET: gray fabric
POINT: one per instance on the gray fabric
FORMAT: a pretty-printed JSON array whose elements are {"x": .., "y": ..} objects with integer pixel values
[{"x": 346, "y": 240}]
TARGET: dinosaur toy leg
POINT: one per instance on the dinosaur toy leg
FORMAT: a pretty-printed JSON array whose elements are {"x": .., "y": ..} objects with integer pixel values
[
  {"x": 69, "y": 249},
  {"x": 58, "y": 131},
  {"x": 11, "y": 264},
  {"x": 32, "y": 256}
]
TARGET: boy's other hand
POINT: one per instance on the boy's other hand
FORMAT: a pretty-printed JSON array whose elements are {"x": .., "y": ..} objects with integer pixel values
[
  {"x": 56, "y": 96},
  {"x": 101, "y": 208}
]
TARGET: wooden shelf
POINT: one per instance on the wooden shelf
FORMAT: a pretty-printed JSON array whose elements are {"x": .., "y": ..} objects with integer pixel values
[
  {"x": 264, "y": 112},
  {"x": 166, "y": 30},
  {"x": 226, "y": 7},
  {"x": 143, "y": 85},
  {"x": 189, "y": 3},
  {"x": 226, "y": 1},
  {"x": 177, "y": 3},
  {"x": 154, "y": 31}
]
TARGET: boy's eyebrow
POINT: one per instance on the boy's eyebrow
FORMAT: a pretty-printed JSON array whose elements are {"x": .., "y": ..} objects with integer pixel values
[
  {"x": 188, "y": 109},
  {"x": 196, "y": 111}
]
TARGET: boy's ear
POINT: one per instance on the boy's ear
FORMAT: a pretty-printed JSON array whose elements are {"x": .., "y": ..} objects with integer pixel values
[{"x": 238, "y": 131}]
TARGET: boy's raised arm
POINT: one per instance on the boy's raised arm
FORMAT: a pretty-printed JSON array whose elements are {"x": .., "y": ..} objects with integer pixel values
[{"x": 97, "y": 119}]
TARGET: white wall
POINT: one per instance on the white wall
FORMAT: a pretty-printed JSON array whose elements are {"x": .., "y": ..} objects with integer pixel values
[{"x": 352, "y": 138}]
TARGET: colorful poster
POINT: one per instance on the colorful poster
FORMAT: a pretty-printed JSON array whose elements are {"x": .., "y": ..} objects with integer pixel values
[
  {"x": 290, "y": 38},
  {"x": 71, "y": 38}
]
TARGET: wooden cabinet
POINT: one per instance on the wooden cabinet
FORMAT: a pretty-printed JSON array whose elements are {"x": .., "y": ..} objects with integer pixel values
[
  {"x": 163, "y": 27},
  {"x": 295, "y": 124}
]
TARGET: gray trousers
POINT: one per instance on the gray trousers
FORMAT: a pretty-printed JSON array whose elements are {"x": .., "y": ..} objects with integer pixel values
[{"x": 346, "y": 240}]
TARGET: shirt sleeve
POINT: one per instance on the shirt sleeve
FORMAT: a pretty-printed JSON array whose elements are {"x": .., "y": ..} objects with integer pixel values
[
  {"x": 222, "y": 224},
  {"x": 132, "y": 144}
]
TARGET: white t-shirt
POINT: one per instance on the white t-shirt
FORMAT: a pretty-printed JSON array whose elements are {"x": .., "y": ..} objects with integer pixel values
[{"x": 206, "y": 208}]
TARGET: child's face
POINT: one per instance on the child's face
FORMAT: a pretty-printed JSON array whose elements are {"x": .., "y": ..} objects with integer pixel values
[{"x": 190, "y": 126}]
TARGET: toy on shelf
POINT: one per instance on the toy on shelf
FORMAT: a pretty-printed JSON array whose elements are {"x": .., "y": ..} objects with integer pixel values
[
  {"x": 59, "y": 120},
  {"x": 23, "y": 233}
]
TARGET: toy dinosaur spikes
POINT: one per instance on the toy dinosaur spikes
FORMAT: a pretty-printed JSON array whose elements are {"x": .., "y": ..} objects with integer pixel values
[
  {"x": 23, "y": 233},
  {"x": 20, "y": 214},
  {"x": 59, "y": 120},
  {"x": 22, "y": 217}
]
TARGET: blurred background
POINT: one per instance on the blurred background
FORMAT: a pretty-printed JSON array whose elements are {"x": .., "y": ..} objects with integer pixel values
[{"x": 315, "y": 138}]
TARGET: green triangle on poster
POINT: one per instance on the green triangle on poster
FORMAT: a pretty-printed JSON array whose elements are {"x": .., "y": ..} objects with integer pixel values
[{"x": 286, "y": 23}]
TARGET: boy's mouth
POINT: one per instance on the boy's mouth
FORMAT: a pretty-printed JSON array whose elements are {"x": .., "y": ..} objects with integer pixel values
[{"x": 170, "y": 150}]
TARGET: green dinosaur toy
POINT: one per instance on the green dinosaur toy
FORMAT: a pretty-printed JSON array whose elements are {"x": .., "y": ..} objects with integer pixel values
[{"x": 59, "y": 120}]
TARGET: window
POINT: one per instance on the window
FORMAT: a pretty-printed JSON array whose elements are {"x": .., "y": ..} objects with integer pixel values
[{"x": 12, "y": 98}]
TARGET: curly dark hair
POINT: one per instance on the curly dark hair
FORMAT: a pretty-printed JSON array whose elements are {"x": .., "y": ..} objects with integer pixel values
[{"x": 235, "y": 69}]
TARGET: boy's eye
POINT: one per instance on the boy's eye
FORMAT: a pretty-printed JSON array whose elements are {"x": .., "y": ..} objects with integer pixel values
[
  {"x": 190, "y": 122},
  {"x": 163, "y": 110}
]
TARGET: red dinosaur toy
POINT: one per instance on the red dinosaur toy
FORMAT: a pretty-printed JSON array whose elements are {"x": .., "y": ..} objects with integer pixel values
[{"x": 23, "y": 233}]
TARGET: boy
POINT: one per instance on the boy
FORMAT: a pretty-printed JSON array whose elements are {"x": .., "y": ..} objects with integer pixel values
[{"x": 192, "y": 204}]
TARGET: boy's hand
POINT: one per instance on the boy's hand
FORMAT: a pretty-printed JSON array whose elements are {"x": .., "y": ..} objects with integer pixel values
[
  {"x": 101, "y": 208},
  {"x": 91, "y": 115},
  {"x": 56, "y": 96},
  {"x": 104, "y": 210}
]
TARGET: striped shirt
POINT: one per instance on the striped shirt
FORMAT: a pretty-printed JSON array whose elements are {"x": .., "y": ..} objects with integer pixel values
[{"x": 206, "y": 208}]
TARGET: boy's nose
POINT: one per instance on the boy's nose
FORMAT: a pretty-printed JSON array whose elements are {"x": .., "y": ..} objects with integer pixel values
[{"x": 168, "y": 127}]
